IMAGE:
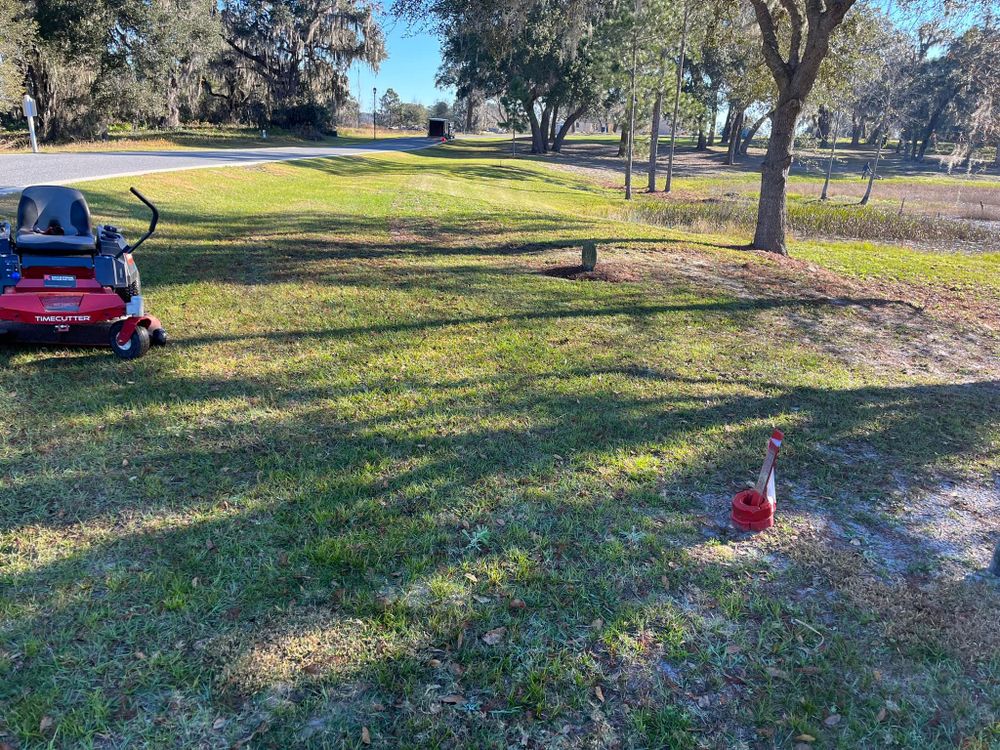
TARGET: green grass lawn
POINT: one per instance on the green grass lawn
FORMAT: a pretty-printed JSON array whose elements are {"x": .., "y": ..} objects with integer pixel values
[
  {"x": 390, "y": 483},
  {"x": 197, "y": 138}
]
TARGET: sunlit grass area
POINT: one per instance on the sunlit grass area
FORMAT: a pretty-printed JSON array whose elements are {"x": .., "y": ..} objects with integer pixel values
[
  {"x": 393, "y": 481},
  {"x": 200, "y": 137}
]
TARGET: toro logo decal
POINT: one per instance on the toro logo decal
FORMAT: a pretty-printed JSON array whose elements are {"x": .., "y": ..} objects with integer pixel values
[
  {"x": 60, "y": 280},
  {"x": 62, "y": 318}
]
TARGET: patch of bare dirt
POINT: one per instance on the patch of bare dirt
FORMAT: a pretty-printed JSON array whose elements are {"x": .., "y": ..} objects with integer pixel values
[
  {"x": 894, "y": 326},
  {"x": 613, "y": 273},
  {"x": 958, "y": 615}
]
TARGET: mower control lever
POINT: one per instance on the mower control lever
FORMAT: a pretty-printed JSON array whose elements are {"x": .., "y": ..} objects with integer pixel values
[{"x": 152, "y": 223}]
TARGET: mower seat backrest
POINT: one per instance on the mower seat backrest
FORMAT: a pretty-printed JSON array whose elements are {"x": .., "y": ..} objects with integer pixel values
[{"x": 54, "y": 220}]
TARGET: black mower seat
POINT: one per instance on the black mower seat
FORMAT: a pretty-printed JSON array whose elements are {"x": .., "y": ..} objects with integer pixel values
[
  {"x": 53, "y": 244},
  {"x": 54, "y": 220}
]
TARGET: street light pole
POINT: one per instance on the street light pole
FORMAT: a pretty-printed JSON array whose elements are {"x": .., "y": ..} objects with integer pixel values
[{"x": 374, "y": 107}]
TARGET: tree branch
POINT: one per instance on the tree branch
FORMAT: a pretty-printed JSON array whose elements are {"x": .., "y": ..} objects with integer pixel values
[
  {"x": 262, "y": 62},
  {"x": 797, "y": 23},
  {"x": 769, "y": 44}
]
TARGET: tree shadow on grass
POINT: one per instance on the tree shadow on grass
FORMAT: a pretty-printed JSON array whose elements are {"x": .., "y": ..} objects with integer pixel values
[{"x": 319, "y": 505}]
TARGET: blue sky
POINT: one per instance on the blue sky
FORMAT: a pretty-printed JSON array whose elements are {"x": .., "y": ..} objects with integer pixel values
[{"x": 414, "y": 56}]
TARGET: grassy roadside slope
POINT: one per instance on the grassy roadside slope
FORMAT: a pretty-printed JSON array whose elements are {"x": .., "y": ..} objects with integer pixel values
[
  {"x": 390, "y": 482},
  {"x": 195, "y": 138}
]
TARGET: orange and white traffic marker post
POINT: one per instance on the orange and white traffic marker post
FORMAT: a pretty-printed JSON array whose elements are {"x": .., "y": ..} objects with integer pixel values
[{"x": 753, "y": 510}]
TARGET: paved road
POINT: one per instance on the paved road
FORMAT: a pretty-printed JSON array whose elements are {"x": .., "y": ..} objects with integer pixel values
[{"x": 20, "y": 170}]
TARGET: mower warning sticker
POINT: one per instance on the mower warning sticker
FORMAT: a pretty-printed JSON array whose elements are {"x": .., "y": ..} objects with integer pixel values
[{"x": 61, "y": 281}]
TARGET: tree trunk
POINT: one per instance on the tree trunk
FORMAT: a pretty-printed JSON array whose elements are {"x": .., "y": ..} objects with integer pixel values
[
  {"x": 537, "y": 139},
  {"x": 727, "y": 126},
  {"x": 872, "y": 176},
  {"x": 833, "y": 155},
  {"x": 546, "y": 126},
  {"x": 552, "y": 123},
  {"x": 823, "y": 127},
  {"x": 772, "y": 211},
  {"x": 623, "y": 143},
  {"x": 795, "y": 77},
  {"x": 470, "y": 113},
  {"x": 677, "y": 100},
  {"x": 654, "y": 136},
  {"x": 736, "y": 125},
  {"x": 567, "y": 127},
  {"x": 715, "y": 117},
  {"x": 173, "y": 118},
  {"x": 702, "y": 140},
  {"x": 857, "y": 130},
  {"x": 996, "y": 159},
  {"x": 932, "y": 125},
  {"x": 654, "y": 133},
  {"x": 633, "y": 101},
  {"x": 753, "y": 132}
]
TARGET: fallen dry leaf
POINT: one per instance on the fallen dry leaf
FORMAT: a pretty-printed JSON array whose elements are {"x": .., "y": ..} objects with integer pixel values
[
  {"x": 881, "y": 714},
  {"x": 517, "y": 604},
  {"x": 665, "y": 581},
  {"x": 493, "y": 637},
  {"x": 453, "y": 699},
  {"x": 597, "y": 624},
  {"x": 45, "y": 724},
  {"x": 434, "y": 663},
  {"x": 314, "y": 668},
  {"x": 779, "y": 673},
  {"x": 366, "y": 736},
  {"x": 460, "y": 641},
  {"x": 472, "y": 577},
  {"x": 218, "y": 724},
  {"x": 732, "y": 648},
  {"x": 832, "y": 720},
  {"x": 599, "y": 693},
  {"x": 805, "y": 738}
]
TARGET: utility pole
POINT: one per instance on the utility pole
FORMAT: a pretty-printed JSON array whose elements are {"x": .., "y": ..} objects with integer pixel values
[
  {"x": 632, "y": 105},
  {"x": 677, "y": 100}
]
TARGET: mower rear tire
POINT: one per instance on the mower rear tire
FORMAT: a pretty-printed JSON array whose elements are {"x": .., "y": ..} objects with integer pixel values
[
  {"x": 135, "y": 347},
  {"x": 158, "y": 336}
]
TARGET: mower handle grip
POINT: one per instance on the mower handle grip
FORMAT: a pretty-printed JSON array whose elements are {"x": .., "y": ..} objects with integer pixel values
[{"x": 152, "y": 224}]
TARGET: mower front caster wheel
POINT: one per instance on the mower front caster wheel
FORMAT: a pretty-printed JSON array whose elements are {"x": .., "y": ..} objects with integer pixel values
[
  {"x": 158, "y": 337},
  {"x": 135, "y": 347}
]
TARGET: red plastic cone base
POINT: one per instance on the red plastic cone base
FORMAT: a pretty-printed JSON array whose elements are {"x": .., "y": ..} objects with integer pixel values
[{"x": 752, "y": 511}]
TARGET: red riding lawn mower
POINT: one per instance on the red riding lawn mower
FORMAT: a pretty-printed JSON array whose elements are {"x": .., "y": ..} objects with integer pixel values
[{"x": 57, "y": 273}]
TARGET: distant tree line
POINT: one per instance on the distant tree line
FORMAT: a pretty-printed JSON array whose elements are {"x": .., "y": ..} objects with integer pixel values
[
  {"x": 912, "y": 70},
  {"x": 92, "y": 63},
  {"x": 393, "y": 112}
]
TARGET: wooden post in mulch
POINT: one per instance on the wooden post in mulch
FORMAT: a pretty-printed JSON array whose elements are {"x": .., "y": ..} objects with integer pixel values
[
  {"x": 589, "y": 255},
  {"x": 995, "y": 565}
]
